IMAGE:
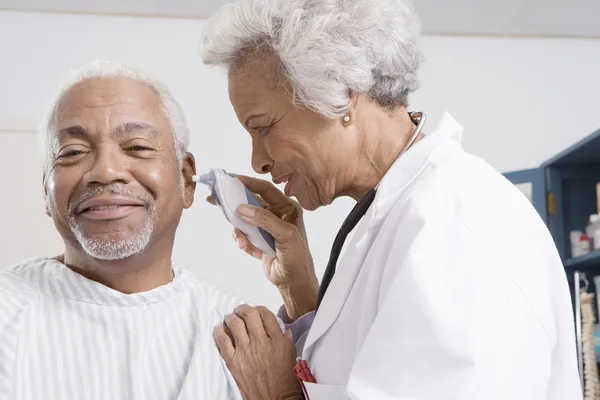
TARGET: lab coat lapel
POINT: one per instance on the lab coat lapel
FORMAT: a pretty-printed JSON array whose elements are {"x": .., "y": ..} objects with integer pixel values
[{"x": 341, "y": 284}]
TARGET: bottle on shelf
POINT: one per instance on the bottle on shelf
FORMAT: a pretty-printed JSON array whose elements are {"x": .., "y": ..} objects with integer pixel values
[
  {"x": 584, "y": 244},
  {"x": 575, "y": 246},
  {"x": 589, "y": 231}
]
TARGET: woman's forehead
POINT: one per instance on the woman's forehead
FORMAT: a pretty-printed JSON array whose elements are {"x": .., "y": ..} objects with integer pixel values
[{"x": 252, "y": 91}]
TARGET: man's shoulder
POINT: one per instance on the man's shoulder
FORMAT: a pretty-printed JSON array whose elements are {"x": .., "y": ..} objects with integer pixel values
[
  {"x": 16, "y": 279},
  {"x": 219, "y": 299},
  {"x": 17, "y": 291}
]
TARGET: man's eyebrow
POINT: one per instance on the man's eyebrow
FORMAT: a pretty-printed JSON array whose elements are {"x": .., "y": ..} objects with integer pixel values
[
  {"x": 73, "y": 131},
  {"x": 132, "y": 127},
  {"x": 78, "y": 131}
]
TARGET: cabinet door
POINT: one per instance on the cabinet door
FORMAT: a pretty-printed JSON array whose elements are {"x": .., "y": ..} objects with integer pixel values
[{"x": 574, "y": 191}]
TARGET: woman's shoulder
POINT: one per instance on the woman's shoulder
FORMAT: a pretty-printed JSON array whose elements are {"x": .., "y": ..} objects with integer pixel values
[
  {"x": 459, "y": 189},
  {"x": 458, "y": 182}
]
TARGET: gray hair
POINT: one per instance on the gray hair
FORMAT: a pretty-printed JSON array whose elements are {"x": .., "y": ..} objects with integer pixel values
[
  {"x": 100, "y": 69},
  {"x": 327, "y": 48}
]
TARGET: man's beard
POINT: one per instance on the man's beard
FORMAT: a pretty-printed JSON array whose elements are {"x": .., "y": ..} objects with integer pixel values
[{"x": 120, "y": 249}]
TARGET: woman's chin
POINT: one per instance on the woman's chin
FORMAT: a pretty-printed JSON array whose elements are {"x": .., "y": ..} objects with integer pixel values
[{"x": 307, "y": 203}]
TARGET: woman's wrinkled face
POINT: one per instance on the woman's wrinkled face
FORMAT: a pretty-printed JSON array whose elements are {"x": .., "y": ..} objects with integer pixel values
[{"x": 295, "y": 145}]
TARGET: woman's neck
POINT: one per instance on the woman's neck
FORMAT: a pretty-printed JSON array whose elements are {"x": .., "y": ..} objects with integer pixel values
[{"x": 382, "y": 142}]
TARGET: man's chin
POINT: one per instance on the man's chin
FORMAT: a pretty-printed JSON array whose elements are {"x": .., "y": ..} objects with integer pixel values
[
  {"x": 112, "y": 246},
  {"x": 115, "y": 250}
]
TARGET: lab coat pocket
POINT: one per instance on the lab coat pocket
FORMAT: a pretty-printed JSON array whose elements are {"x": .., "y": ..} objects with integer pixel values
[{"x": 325, "y": 392}]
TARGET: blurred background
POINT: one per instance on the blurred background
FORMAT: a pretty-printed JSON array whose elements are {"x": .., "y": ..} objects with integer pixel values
[{"x": 522, "y": 77}]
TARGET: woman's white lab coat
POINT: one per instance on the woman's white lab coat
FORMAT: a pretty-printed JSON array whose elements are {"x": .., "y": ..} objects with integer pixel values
[{"x": 451, "y": 289}]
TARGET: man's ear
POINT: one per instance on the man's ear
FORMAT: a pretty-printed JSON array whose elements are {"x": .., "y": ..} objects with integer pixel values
[
  {"x": 188, "y": 169},
  {"x": 46, "y": 199}
]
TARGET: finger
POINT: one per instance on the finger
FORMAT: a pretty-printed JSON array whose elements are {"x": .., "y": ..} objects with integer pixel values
[
  {"x": 282, "y": 231},
  {"x": 270, "y": 322},
  {"x": 211, "y": 200},
  {"x": 223, "y": 342},
  {"x": 268, "y": 192},
  {"x": 238, "y": 330},
  {"x": 261, "y": 200},
  {"x": 244, "y": 243},
  {"x": 253, "y": 321}
]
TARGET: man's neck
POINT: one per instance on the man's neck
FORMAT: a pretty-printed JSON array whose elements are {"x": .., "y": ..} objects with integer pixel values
[{"x": 138, "y": 273}]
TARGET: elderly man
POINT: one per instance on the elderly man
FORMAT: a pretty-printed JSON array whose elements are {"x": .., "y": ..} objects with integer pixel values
[{"x": 111, "y": 318}]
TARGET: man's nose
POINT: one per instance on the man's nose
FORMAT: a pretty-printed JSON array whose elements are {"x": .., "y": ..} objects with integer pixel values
[{"x": 109, "y": 166}]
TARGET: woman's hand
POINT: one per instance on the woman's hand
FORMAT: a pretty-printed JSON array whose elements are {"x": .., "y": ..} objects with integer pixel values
[
  {"x": 259, "y": 356},
  {"x": 292, "y": 271}
]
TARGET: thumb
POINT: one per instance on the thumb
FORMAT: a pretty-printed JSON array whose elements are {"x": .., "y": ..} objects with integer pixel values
[{"x": 266, "y": 220}]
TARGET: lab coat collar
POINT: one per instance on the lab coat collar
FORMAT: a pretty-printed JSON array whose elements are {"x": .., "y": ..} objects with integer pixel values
[{"x": 407, "y": 167}]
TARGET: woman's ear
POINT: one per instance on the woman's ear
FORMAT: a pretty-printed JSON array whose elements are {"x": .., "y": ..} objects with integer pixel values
[
  {"x": 188, "y": 170},
  {"x": 350, "y": 115}
]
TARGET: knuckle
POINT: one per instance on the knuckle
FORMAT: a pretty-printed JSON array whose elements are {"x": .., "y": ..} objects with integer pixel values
[
  {"x": 290, "y": 232},
  {"x": 288, "y": 208},
  {"x": 233, "y": 321},
  {"x": 270, "y": 185},
  {"x": 262, "y": 310},
  {"x": 248, "y": 311},
  {"x": 266, "y": 216},
  {"x": 222, "y": 339}
]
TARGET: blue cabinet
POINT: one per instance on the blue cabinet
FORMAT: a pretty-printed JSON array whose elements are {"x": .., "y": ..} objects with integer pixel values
[{"x": 563, "y": 191}]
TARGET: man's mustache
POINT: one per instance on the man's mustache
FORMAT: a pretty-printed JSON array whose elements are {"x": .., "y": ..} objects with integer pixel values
[{"x": 109, "y": 191}]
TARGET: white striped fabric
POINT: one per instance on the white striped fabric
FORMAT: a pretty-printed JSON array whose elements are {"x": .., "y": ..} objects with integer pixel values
[{"x": 65, "y": 337}]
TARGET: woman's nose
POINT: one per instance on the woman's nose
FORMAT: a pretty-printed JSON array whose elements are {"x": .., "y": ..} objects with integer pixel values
[{"x": 261, "y": 162}]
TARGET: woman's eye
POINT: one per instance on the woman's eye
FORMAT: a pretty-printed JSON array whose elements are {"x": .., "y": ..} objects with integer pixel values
[{"x": 263, "y": 131}]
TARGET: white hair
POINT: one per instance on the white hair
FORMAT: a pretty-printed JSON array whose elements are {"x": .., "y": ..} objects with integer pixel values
[
  {"x": 328, "y": 48},
  {"x": 100, "y": 69}
]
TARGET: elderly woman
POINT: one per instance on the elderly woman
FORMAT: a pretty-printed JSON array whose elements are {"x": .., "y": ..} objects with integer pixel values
[{"x": 451, "y": 287}]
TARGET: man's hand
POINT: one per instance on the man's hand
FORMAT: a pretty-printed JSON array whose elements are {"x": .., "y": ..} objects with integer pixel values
[{"x": 259, "y": 356}]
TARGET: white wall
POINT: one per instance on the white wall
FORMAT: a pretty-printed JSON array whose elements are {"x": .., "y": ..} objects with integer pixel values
[{"x": 520, "y": 100}]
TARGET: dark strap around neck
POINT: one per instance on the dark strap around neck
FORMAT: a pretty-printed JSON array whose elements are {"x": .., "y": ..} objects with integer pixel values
[{"x": 353, "y": 218}]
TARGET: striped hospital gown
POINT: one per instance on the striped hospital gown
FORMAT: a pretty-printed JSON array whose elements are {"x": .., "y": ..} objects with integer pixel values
[{"x": 65, "y": 337}]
